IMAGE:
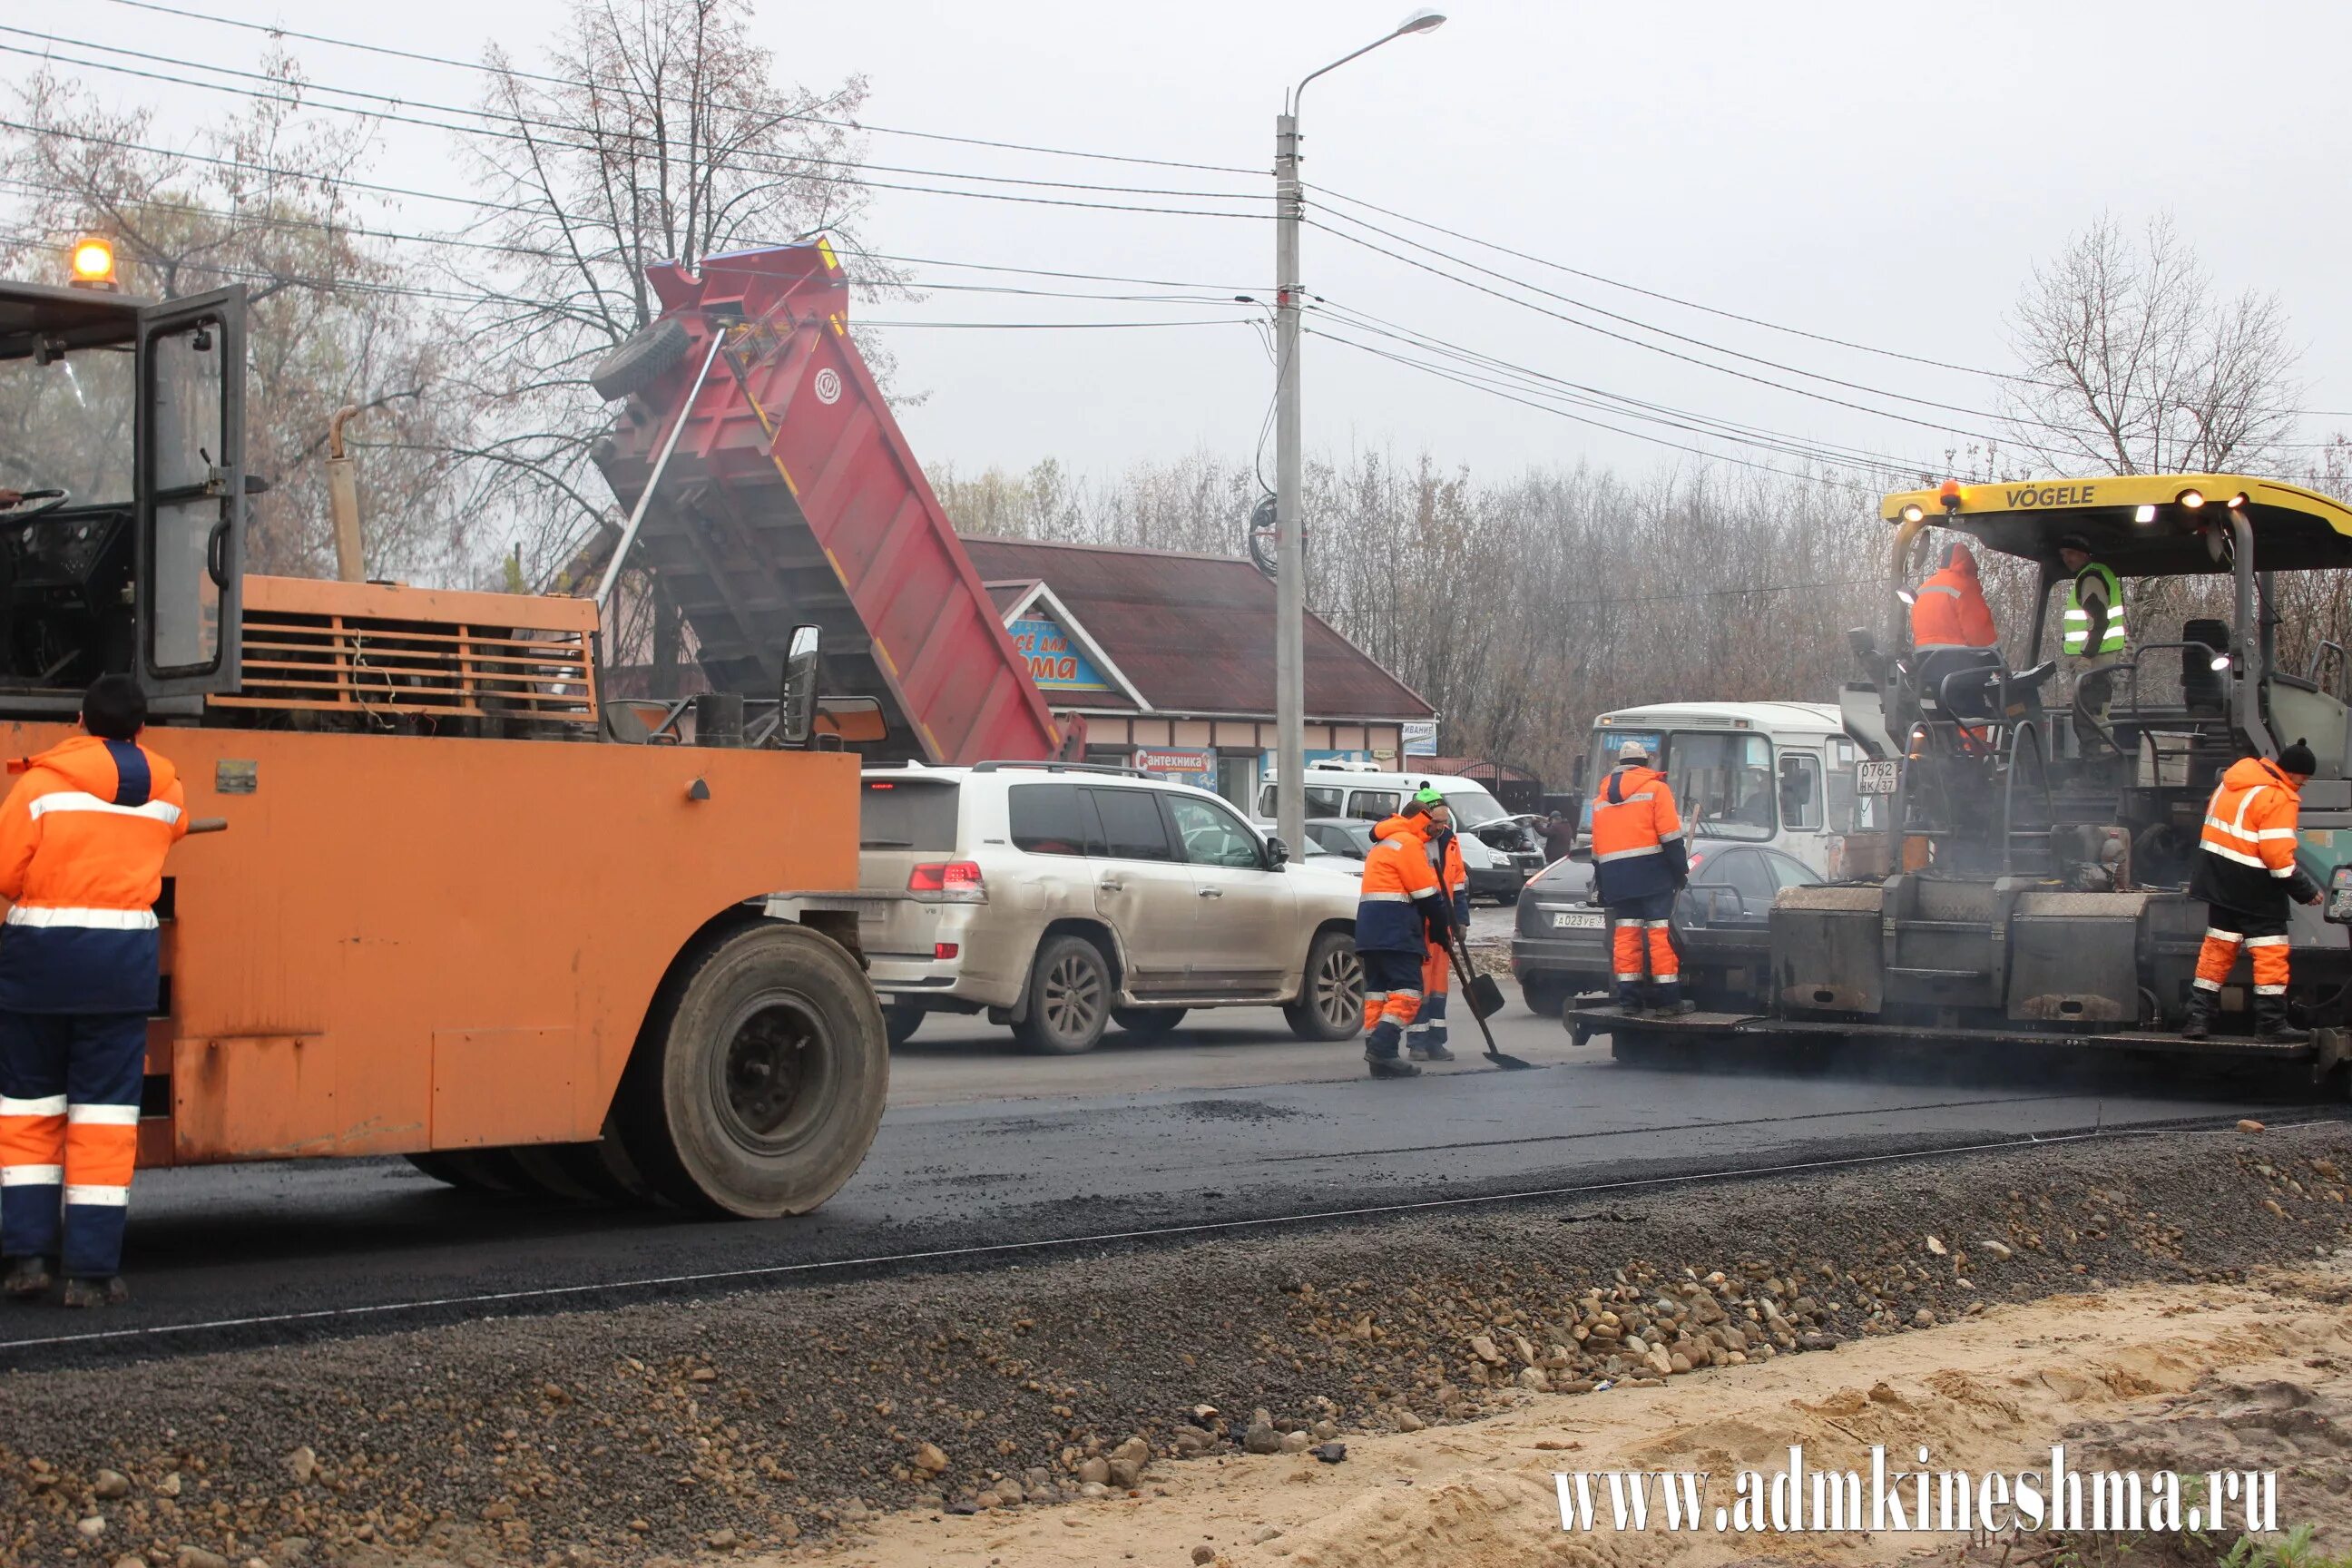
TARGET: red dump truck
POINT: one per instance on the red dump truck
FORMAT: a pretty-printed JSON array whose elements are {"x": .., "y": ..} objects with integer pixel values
[{"x": 787, "y": 495}]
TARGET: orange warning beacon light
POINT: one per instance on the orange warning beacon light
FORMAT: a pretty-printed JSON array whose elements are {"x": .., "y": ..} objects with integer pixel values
[
  {"x": 92, "y": 262},
  {"x": 1951, "y": 494}
]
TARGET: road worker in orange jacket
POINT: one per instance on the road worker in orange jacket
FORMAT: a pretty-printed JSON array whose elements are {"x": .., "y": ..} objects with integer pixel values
[
  {"x": 1640, "y": 861},
  {"x": 83, "y": 835},
  {"x": 1949, "y": 610},
  {"x": 1425, "y": 1040},
  {"x": 1399, "y": 909},
  {"x": 2246, "y": 872}
]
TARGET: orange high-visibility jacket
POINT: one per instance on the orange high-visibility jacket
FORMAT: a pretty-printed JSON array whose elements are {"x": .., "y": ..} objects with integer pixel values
[
  {"x": 2246, "y": 859},
  {"x": 1399, "y": 885},
  {"x": 1637, "y": 836},
  {"x": 82, "y": 840},
  {"x": 1949, "y": 610}
]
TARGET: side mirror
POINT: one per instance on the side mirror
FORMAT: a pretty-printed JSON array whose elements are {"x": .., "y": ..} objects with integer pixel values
[
  {"x": 1277, "y": 853},
  {"x": 1864, "y": 642},
  {"x": 797, "y": 705}
]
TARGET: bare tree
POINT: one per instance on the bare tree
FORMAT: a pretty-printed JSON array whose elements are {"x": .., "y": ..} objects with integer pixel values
[
  {"x": 1519, "y": 607},
  {"x": 261, "y": 204},
  {"x": 654, "y": 130},
  {"x": 2132, "y": 362}
]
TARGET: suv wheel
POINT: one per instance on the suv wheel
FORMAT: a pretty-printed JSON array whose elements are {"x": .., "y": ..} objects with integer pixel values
[
  {"x": 1330, "y": 1004},
  {"x": 900, "y": 1021},
  {"x": 1069, "y": 998},
  {"x": 1148, "y": 1022}
]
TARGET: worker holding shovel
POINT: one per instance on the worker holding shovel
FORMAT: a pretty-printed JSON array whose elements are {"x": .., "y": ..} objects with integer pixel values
[{"x": 1424, "y": 1041}]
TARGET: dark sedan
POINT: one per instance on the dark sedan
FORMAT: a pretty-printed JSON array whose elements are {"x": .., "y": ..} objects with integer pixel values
[{"x": 1560, "y": 948}]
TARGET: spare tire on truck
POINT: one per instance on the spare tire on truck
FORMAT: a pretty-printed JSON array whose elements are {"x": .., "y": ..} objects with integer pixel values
[
  {"x": 636, "y": 363},
  {"x": 759, "y": 1077}
]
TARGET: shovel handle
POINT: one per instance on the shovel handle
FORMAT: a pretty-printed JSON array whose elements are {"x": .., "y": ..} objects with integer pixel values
[
  {"x": 1457, "y": 952},
  {"x": 209, "y": 824}
]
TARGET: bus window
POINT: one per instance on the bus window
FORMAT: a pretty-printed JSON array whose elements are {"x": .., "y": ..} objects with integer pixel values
[
  {"x": 1800, "y": 791},
  {"x": 1723, "y": 782}
]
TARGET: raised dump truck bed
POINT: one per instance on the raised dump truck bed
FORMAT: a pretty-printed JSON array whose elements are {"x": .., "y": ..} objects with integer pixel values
[{"x": 794, "y": 498}]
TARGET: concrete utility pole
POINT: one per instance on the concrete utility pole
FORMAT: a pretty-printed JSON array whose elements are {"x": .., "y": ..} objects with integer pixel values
[{"x": 1289, "y": 538}]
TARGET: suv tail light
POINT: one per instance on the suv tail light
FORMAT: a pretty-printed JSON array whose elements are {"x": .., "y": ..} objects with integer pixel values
[{"x": 949, "y": 882}]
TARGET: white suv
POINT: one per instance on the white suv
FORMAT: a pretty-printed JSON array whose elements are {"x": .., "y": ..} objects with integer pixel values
[{"x": 1059, "y": 897}]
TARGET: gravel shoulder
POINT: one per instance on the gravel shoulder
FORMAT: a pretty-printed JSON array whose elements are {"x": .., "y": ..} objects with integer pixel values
[
  {"x": 787, "y": 1421},
  {"x": 2145, "y": 1376}
]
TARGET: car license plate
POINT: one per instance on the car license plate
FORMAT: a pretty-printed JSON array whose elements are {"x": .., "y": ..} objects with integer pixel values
[
  {"x": 1576, "y": 920},
  {"x": 1876, "y": 776}
]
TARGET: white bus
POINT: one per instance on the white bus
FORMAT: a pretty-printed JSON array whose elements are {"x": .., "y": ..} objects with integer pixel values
[{"x": 1779, "y": 773}]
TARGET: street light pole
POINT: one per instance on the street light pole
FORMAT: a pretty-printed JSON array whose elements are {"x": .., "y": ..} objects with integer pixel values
[{"x": 1289, "y": 534}]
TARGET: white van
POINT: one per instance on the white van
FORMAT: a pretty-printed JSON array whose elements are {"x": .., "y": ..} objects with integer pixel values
[
  {"x": 1776, "y": 773},
  {"x": 1372, "y": 796}
]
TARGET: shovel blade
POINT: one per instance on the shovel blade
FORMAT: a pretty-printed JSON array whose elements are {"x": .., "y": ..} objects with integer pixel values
[{"x": 1485, "y": 998}]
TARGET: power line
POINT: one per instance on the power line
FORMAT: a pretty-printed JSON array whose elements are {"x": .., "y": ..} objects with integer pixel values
[
  {"x": 282, "y": 32},
  {"x": 495, "y": 117},
  {"x": 770, "y": 165},
  {"x": 1445, "y": 374},
  {"x": 1662, "y": 332},
  {"x": 485, "y": 204},
  {"x": 1656, "y": 294},
  {"x": 1604, "y": 400},
  {"x": 1636, "y": 342},
  {"x": 1695, "y": 359},
  {"x": 364, "y": 231},
  {"x": 1753, "y": 320}
]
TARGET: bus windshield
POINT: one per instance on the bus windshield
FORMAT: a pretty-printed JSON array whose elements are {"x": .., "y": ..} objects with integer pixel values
[{"x": 1723, "y": 783}]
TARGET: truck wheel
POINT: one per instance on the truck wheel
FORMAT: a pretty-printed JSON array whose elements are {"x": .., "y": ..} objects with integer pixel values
[
  {"x": 1148, "y": 1022},
  {"x": 1543, "y": 1001},
  {"x": 760, "y": 1077},
  {"x": 636, "y": 363},
  {"x": 1069, "y": 998},
  {"x": 901, "y": 1021},
  {"x": 1330, "y": 1004}
]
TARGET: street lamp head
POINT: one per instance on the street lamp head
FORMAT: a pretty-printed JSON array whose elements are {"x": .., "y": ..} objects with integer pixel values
[{"x": 1421, "y": 21}]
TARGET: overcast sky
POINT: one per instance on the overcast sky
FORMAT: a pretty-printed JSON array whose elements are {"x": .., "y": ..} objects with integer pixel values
[{"x": 1882, "y": 173}]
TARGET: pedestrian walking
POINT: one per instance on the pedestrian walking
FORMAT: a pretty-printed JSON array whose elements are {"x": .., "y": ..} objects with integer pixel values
[
  {"x": 1399, "y": 906},
  {"x": 1640, "y": 861},
  {"x": 2246, "y": 872},
  {"x": 83, "y": 835}
]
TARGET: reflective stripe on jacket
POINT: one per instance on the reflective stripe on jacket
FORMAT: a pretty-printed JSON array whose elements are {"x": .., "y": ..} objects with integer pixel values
[
  {"x": 1398, "y": 885},
  {"x": 2246, "y": 859},
  {"x": 1949, "y": 610},
  {"x": 82, "y": 840},
  {"x": 2082, "y": 634},
  {"x": 1637, "y": 836}
]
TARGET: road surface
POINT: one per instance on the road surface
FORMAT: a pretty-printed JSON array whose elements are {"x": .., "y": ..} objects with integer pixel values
[{"x": 1229, "y": 1120}]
